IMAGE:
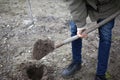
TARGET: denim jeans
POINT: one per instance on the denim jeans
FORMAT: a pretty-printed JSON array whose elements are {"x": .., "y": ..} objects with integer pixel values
[{"x": 105, "y": 34}]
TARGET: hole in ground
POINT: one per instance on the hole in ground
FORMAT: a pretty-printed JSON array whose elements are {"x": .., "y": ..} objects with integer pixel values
[{"x": 35, "y": 73}]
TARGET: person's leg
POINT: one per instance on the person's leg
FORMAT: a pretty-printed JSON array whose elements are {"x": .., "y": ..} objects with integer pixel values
[
  {"x": 76, "y": 54},
  {"x": 76, "y": 45},
  {"x": 105, "y": 34}
]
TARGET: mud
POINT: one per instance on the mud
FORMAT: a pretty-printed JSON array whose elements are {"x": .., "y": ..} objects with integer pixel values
[{"x": 42, "y": 48}]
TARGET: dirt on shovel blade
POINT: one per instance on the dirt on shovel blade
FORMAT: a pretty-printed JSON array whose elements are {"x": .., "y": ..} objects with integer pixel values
[{"x": 42, "y": 48}]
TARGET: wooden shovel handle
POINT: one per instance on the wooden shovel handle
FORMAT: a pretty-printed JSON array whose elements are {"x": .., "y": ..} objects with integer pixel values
[{"x": 89, "y": 29}]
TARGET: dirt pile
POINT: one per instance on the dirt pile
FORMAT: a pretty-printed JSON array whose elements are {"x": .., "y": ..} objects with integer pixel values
[{"x": 42, "y": 48}]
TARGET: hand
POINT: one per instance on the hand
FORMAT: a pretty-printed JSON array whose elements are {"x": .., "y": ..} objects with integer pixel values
[{"x": 81, "y": 32}]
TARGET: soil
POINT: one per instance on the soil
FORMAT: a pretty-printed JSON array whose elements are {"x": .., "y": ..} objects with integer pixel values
[
  {"x": 40, "y": 73},
  {"x": 51, "y": 18},
  {"x": 42, "y": 48},
  {"x": 35, "y": 73}
]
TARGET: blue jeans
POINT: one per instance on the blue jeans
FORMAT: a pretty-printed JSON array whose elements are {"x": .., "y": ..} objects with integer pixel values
[{"x": 105, "y": 34}]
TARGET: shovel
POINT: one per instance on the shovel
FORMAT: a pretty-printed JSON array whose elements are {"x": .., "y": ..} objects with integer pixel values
[
  {"x": 88, "y": 30},
  {"x": 43, "y": 47}
]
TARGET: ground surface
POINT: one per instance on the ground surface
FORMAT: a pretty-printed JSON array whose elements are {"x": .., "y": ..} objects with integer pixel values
[{"x": 51, "y": 21}]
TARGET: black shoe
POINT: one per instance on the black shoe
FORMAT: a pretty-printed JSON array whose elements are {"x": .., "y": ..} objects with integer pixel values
[
  {"x": 71, "y": 69},
  {"x": 99, "y": 77}
]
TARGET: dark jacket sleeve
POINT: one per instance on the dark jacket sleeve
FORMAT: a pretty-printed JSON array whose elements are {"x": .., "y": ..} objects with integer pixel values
[{"x": 78, "y": 11}]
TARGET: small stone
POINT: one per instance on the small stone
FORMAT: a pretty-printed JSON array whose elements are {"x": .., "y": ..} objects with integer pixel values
[
  {"x": 30, "y": 26},
  {"x": 29, "y": 51},
  {"x": 1, "y": 65},
  {"x": 49, "y": 37},
  {"x": 26, "y": 22},
  {"x": 93, "y": 50},
  {"x": 64, "y": 59},
  {"x": 8, "y": 25}
]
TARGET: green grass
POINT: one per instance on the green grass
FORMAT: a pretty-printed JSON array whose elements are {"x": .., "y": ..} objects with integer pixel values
[{"x": 108, "y": 75}]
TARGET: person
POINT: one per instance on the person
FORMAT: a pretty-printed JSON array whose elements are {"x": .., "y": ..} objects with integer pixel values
[{"x": 97, "y": 10}]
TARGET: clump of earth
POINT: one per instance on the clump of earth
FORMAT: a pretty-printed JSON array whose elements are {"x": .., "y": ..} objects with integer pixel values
[
  {"x": 42, "y": 47},
  {"x": 51, "y": 19}
]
